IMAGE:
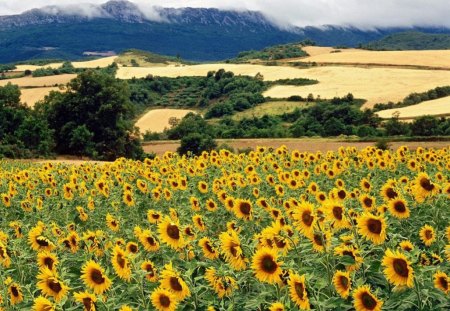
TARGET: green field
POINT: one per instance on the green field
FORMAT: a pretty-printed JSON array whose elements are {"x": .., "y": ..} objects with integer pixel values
[{"x": 270, "y": 108}]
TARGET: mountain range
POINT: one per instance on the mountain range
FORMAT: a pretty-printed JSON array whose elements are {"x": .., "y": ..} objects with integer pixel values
[{"x": 198, "y": 34}]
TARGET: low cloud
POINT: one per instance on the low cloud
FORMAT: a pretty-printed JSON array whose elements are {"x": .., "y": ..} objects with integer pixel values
[{"x": 365, "y": 14}]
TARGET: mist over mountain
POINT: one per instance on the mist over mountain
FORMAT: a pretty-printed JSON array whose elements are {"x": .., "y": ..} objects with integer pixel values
[{"x": 200, "y": 34}]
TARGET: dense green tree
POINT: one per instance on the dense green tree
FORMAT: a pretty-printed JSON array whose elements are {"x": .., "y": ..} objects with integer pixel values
[
  {"x": 196, "y": 143},
  {"x": 96, "y": 103}
]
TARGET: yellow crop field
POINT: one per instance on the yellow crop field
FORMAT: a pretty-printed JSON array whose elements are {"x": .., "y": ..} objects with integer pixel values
[
  {"x": 100, "y": 62},
  {"x": 39, "y": 81},
  {"x": 33, "y": 95},
  {"x": 438, "y": 58},
  {"x": 319, "y": 50},
  {"x": 376, "y": 85},
  {"x": 158, "y": 119},
  {"x": 270, "y": 230},
  {"x": 436, "y": 107}
]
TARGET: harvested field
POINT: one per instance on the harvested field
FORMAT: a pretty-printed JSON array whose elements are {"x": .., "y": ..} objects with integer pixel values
[
  {"x": 310, "y": 145},
  {"x": 158, "y": 119},
  {"x": 376, "y": 85},
  {"x": 270, "y": 108},
  {"x": 39, "y": 81},
  {"x": 100, "y": 62},
  {"x": 434, "y": 59},
  {"x": 320, "y": 50},
  {"x": 437, "y": 107},
  {"x": 33, "y": 95}
]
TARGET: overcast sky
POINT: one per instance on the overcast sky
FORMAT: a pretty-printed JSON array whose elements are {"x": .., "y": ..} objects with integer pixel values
[{"x": 360, "y": 13}]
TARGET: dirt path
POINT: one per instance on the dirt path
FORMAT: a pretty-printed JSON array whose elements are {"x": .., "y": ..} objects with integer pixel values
[{"x": 310, "y": 145}]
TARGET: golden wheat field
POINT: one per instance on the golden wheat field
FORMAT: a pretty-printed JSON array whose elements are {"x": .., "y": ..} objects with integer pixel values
[
  {"x": 270, "y": 230},
  {"x": 436, "y": 107},
  {"x": 157, "y": 120},
  {"x": 376, "y": 85},
  {"x": 40, "y": 81},
  {"x": 437, "y": 58},
  {"x": 33, "y": 95},
  {"x": 100, "y": 62},
  {"x": 319, "y": 50}
]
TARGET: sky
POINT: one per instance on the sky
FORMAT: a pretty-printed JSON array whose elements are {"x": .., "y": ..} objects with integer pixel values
[{"x": 359, "y": 13}]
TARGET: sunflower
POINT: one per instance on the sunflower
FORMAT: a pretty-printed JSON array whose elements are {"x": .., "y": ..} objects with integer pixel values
[
  {"x": 389, "y": 191},
  {"x": 223, "y": 286},
  {"x": 95, "y": 278},
  {"x": 441, "y": 281},
  {"x": 15, "y": 293},
  {"x": 5, "y": 260},
  {"x": 209, "y": 251},
  {"x": 243, "y": 209},
  {"x": 364, "y": 300},
  {"x": 125, "y": 308},
  {"x": 148, "y": 241},
  {"x": 276, "y": 306},
  {"x": 336, "y": 214},
  {"x": 365, "y": 185},
  {"x": 38, "y": 241},
  {"x": 427, "y": 235},
  {"x": 407, "y": 246},
  {"x": 150, "y": 269},
  {"x": 121, "y": 263},
  {"x": 342, "y": 283},
  {"x": 297, "y": 291},
  {"x": 202, "y": 187},
  {"x": 198, "y": 222},
  {"x": 304, "y": 218},
  {"x": 163, "y": 300},
  {"x": 171, "y": 234},
  {"x": 399, "y": 208},
  {"x": 231, "y": 250},
  {"x": 128, "y": 199},
  {"x": 423, "y": 187},
  {"x": 367, "y": 202},
  {"x": 171, "y": 280},
  {"x": 353, "y": 253},
  {"x": 50, "y": 285},
  {"x": 112, "y": 222},
  {"x": 265, "y": 265},
  {"x": 397, "y": 268},
  {"x": 372, "y": 228},
  {"x": 321, "y": 240},
  {"x": 211, "y": 205},
  {"x": 87, "y": 299},
  {"x": 43, "y": 304},
  {"x": 132, "y": 248}
]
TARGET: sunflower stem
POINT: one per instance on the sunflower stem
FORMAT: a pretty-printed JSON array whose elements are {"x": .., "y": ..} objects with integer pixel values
[{"x": 419, "y": 298}]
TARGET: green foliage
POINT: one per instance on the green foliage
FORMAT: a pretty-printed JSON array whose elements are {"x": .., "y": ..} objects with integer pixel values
[
  {"x": 295, "y": 81},
  {"x": 196, "y": 143},
  {"x": 276, "y": 52},
  {"x": 23, "y": 133},
  {"x": 382, "y": 144},
  {"x": 411, "y": 40},
  {"x": 97, "y": 106},
  {"x": 65, "y": 68}
]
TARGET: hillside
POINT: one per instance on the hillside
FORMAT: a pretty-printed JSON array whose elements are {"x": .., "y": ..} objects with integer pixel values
[
  {"x": 193, "y": 33},
  {"x": 411, "y": 40}
]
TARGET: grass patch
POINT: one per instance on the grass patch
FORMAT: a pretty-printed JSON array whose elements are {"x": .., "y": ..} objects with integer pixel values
[{"x": 271, "y": 108}]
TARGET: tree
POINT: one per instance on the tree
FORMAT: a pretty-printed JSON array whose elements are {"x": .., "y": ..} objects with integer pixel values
[
  {"x": 94, "y": 103},
  {"x": 196, "y": 143}
]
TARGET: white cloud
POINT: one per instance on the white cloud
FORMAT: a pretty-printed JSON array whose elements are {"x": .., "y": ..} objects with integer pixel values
[{"x": 359, "y": 13}]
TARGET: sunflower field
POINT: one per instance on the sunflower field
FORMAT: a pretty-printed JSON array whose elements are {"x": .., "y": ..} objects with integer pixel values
[{"x": 271, "y": 230}]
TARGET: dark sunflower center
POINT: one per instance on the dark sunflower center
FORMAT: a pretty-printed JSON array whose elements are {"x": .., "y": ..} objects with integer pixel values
[
  {"x": 342, "y": 194},
  {"x": 48, "y": 262},
  {"x": 374, "y": 226},
  {"x": 368, "y": 301},
  {"x": 97, "y": 277},
  {"x": 400, "y": 207},
  {"x": 15, "y": 291},
  {"x": 426, "y": 184},
  {"x": 129, "y": 198},
  {"x": 344, "y": 281},
  {"x": 209, "y": 247},
  {"x": 366, "y": 185},
  {"x": 299, "y": 289},
  {"x": 55, "y": 286},
  {"x": 175, "y": 284},
  {"x": 268, "y": 265},
  {"x": 87, "y": 302},
  {"x": 428, "y": 234},
  {"x": 133, "y": 248},
  {"x": 337, "y": 212},
  {"x": 151, "y": 240},
  {"x": 279, "y": 242},
  {"x": 245, "y": 208},
  {"x": 349, "y": 253},
  {"x": 42, "y": 241},
  {"x": 164, "y": 301},
  {"x": 155, "y": 216},
  {"x": 173, "y": 232},
  {"x": 401, "y": 267},
  {"x": 307, "y": 218},
  {"x": 233, "y": 249},
  {"x": 318, "y": 239},
  {"x": 120, "y": 261},
  {"x": 368, "y": 202},
  {"x": 443, "y": 282},
  {"x": 390, "y": 193}
]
